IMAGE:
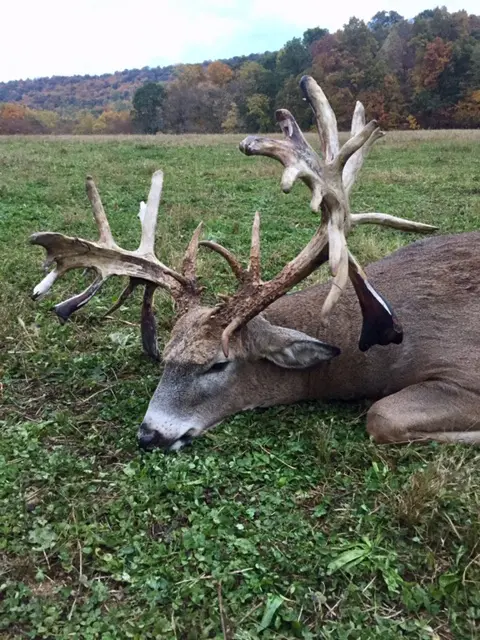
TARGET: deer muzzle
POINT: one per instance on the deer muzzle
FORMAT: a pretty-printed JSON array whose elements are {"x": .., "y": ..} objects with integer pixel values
[{"x": 150, "y": 439}]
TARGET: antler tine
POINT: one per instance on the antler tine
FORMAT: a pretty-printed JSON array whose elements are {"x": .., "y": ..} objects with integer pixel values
[
  {"x": 324, "y": 116},
  {"x": 386, "y": 220},
  {"x": 234, "y": 264},
  {"x": 254, "y": 296},
  {"x": 65, "y": 309},
  {"x": 354, "y": 144},
  {"x": 148, "y": 219},
  {"x": 99, "y": 213},
  {"x": 336, "y": 242},
  {"x": 227, "y": 334},
  {"x": 148, "y": 323},
  {"x": 380, "y": 324},
  {"x": 190, "y": 292},
  {"x": 253, "y": 273},
  {"x": 358, "y": 119},
  {"x": 106, "y": 258},
  {"x": 295, "y": 154},
  {"x": 46, "y": 284},
  {"x": 254, "y": 263},
  {"x": 353, "y": 166},
  {"x": 150, "y": 213},
  {"x": 189, "y": 267},
  {"x": 133, "y": 283},
  {"x": 339, "y": 282},
  {"x": 355, "y": 163}
]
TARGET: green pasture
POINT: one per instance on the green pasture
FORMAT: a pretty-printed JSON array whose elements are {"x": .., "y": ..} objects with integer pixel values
[{"x": 285, "y": 523}]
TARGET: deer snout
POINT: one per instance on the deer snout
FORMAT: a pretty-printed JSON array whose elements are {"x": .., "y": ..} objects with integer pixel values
[{"x": 149, "y": 439}]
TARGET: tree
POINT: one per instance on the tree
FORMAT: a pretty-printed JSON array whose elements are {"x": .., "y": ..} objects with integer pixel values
[
  {"x": 385, "y": 105},
  {"x": 327, "y": 56},
  {"x": 268, "y": 60},
  {"x": 85, "y": 124},
  {"x": 48, "y": 119},
  {"x": 258, "y": 112},
  {"x": 147, "y": 107},
  {"x": 439, "y": 23},
  {"x": 436, "y": 57},
  {"x": 382, "y": 22},
  {"x": 195, "y": 109},
  {"x": 293, "y": 59},
  {"x": 392, "y": 52},
  {"x": 190, "y": 74},
  {"x": 394, "y": 102},
  {"x": 219, "y": 73},
  {"x": 177, "y": 108},
  {"x": 253, "y": 78},
  {"x": 231, "y": 124},
  {"x": 312, "y": 35},
  {"x": 113, "y": 122},
  {"x": 359, "y": 49},
  {"x": 290, "y": 97},
  {"x": 19, "y": 119},
  {"x": 467, "y": 112}
]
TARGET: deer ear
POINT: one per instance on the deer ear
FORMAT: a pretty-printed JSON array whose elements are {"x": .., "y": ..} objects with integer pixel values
[{"x": 285, "y": 347}]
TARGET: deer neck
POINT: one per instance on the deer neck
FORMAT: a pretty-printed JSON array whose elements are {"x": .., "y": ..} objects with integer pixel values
[{"x": 348, "y": 376}]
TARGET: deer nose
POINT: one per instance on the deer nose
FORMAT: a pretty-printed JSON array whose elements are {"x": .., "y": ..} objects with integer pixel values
[{"x": 150, "y": 439}]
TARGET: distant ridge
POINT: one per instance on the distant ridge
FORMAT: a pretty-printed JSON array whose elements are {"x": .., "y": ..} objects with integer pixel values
[{"x": 68, "y": 94}]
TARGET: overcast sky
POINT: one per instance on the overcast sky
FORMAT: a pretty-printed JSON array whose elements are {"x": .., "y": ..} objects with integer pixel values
[{"x": 67, "y": 37}]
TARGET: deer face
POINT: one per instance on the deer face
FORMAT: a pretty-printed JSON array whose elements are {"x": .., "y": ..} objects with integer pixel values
[{"x": 200, "y": 386}]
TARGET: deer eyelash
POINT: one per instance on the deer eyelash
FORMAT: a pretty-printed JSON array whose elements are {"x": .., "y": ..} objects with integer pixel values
[{"x": 218, "y": 366}]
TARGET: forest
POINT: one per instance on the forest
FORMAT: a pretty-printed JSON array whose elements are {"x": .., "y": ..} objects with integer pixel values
[{"x": 409, "y": 73}]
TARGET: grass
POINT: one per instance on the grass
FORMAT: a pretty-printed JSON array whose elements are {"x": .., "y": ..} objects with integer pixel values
[{"x": 285, "y": 523}]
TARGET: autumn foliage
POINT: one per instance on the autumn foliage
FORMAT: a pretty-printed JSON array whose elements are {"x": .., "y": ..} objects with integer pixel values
[
  {"x": 420, "y": 73},
  {"x": 18, "y": 119}
]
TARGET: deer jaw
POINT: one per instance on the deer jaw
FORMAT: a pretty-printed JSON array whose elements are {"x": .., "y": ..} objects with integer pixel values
[{"x": 200, "y": 387}]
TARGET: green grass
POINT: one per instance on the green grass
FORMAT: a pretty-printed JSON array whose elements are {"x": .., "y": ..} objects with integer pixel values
[{"x": 283, "y": 523}]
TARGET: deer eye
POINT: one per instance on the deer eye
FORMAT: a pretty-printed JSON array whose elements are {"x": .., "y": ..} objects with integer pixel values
[{"x": 218, "y": 366}]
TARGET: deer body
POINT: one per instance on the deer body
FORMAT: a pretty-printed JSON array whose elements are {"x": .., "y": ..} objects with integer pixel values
[
  {"x": 434, "y": 286},
  {"x": 428, "y": 387}
]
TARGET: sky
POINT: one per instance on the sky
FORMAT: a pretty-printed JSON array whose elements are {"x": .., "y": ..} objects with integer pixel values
[{"x": 69, "y": 37}]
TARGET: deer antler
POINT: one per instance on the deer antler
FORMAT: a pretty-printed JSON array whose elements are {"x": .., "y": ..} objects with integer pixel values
[
  {"x": 106, "y": 258},
  {"x": 254, "y": 295},
  {"x": 330, "y": 181}
]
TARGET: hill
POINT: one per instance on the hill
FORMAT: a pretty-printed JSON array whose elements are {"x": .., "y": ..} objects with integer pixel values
[
  {"x": 70, "y": 94},
  {"x": 409, "y": 73}
]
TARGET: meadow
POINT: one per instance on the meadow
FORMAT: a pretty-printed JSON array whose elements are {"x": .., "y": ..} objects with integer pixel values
[{"x": 283, "y": 523}]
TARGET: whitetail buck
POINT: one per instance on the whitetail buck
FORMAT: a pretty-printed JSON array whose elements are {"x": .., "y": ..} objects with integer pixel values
[{"x": 262, "y": 347}]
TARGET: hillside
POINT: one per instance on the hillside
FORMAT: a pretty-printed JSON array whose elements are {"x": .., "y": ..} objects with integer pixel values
[
  {"x": 69, "y": 94},
  {"x": 414, "y": 73}
]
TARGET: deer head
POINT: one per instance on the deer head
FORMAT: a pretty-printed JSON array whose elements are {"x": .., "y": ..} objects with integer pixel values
[{"x": 224, "y": 359}]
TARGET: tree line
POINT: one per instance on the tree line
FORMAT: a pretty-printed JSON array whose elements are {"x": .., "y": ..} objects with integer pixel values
[{"x": 419, "y": 73}]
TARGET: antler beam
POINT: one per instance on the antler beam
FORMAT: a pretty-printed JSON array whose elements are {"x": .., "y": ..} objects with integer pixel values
[
  {"x": 106, "y": 259},
  {"x": 330, "y": 179}
]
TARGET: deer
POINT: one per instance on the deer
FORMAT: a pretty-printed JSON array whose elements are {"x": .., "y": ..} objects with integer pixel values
[{"x": 417, "y": 360}]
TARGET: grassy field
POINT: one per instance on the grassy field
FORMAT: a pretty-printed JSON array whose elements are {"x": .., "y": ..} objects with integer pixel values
[{"x": 286, "y": 523}]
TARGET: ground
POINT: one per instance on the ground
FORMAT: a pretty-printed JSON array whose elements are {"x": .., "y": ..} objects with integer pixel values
[{"x": 286, "y": 523}]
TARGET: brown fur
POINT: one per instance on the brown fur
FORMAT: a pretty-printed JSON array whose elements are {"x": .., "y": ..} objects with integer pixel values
[{"x": 427, "y": 387}]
